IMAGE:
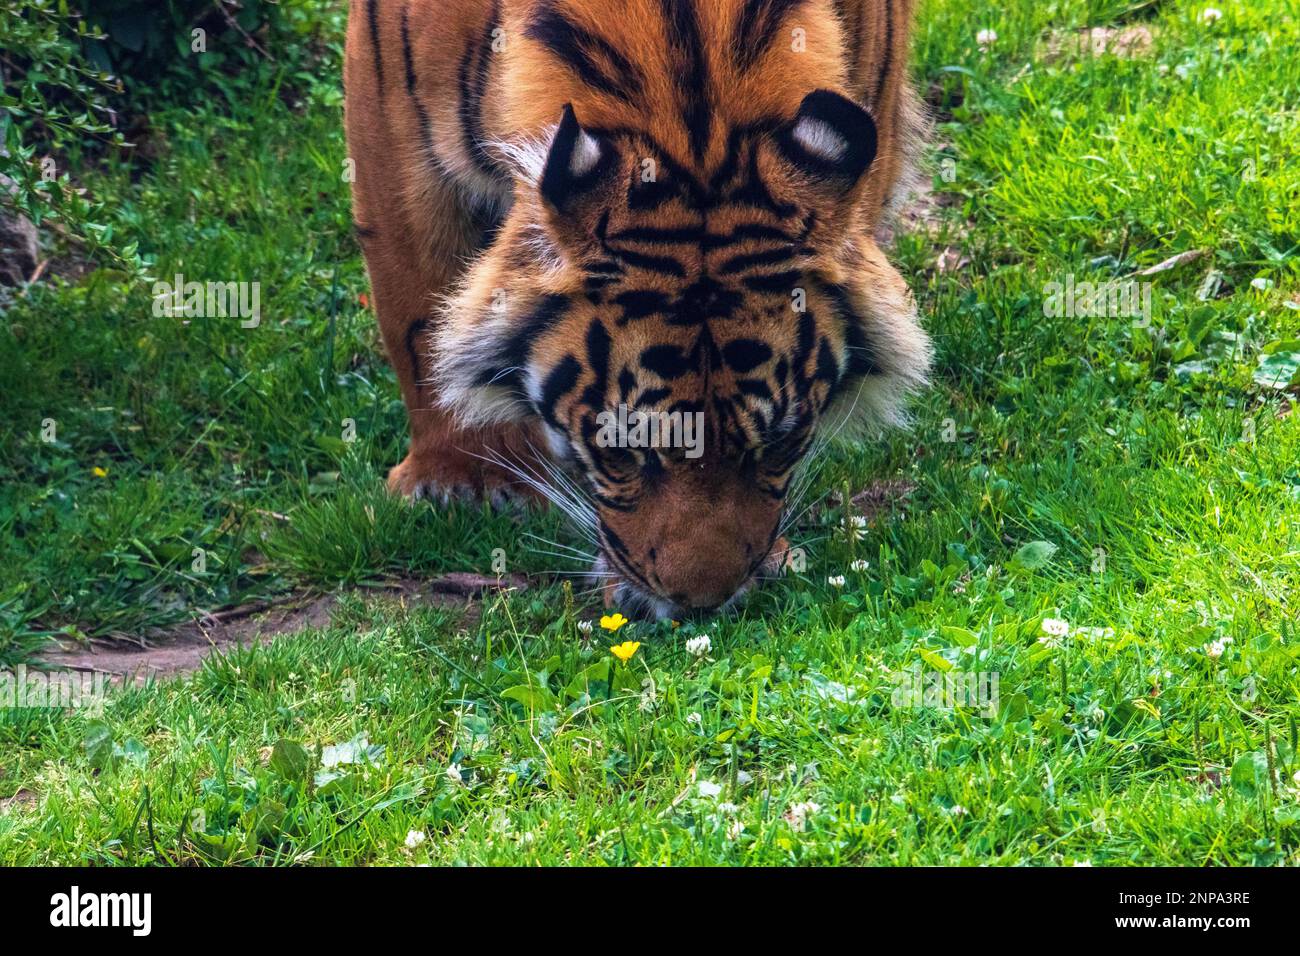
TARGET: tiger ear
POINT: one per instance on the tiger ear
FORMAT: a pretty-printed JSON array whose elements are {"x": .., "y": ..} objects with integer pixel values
[
  {"x": 831, "y": 137},
  {"x": 576, "y": 163}
]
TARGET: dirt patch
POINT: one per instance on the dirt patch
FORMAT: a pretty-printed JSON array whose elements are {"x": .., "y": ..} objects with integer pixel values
[
  {"x": 881, "y": 497},
  {"x": 878, "y": 500},
  {"x": 19, "y": 801},
  {"x": 923, "y": 210},
  {"x": 181, "y": 650}
]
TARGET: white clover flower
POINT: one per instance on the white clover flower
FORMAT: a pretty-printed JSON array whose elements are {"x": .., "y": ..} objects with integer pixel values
[
  {"x": 1295, "y": 778},
  {"x": 454, "y": 774},
  {"x": 798, "y": 814},
  {"x": 986, "y": 37},
  {"x": 414, "y": 838},
  {"x": 694, "y": 718},
  {"x": 745, "y": 779},
  {"x": 735, "y": 830},
  {"x": 585, "y": 626},
  {"x": 857, "y": 527},
  {"x": 1214, "y": 650},
  {"x": 836, "y": 580},
  {"x": 957, "y": 810},
  {"x": 728, "y": 807},
  {"x": 1211, "y": 15},
  {"x": 699, "y": 646},
  {"x": 1056, "y": 627},
  {"x": 708, "y": 788},
  {"x": 1082, "y": 863},
  {"x": 859, "y": 565}
]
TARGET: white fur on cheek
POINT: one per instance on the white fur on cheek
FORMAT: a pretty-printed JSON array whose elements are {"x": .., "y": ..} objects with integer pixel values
[
  {"x": 558, "y": 444},
  {"x": 527, "y": 154}
]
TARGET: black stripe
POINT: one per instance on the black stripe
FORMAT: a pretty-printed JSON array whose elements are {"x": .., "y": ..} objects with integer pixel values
[
  {"x": 372, "y": 18},
  {"x": 579, "y": 49},
  {"x": 745, "y": 261},
  {"x": 414, "y": 329},
  {"x": 888, "y": 60},
  {"x": 745, "y": 355},
  {"x": 472, "y": 83},
  {"x": 777, "y": 282},
  {"x": 407, "y": 59},
  {"x": 744, "y": 233},
  {"x": 863, "y": 357},
  {"x": 651, "y": 397},
  {"x": 852, "y": 21},
  {"x": 640, "y": 303},
  {"x": 506, "y": 370},
  {"x": 558, "y": 383},
  {"x": 664, "y": 265},
  {"x": 611, "y": 502},
  {"x": 619, "y": 555},
  {"x": 598, "y": 351},
  {"x": 667, "y": 361},
  {"x": 688, "y": 234},
  {"x": 756, "y": 28},
  {"x": 692, "y": 76}
]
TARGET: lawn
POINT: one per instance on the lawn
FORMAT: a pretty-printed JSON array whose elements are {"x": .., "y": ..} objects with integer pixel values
[{"x": 1102, "y": 511}]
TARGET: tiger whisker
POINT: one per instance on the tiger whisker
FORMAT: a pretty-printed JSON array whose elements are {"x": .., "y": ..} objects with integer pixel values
[
  {"x": 577, "y": 552},
  {"x": 581, "y": 514}
]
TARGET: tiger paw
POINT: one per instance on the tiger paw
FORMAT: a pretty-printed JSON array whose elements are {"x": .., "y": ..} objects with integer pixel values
[{"x": 449, "y": 475}]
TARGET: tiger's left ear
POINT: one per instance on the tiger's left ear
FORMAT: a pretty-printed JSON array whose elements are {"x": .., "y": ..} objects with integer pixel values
[
  {"x": 831, "y": 137},
  {"x": 576, "y": 164}
]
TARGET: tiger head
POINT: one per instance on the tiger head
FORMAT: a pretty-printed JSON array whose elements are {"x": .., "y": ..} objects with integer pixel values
[{"x": 730, "y": 301}]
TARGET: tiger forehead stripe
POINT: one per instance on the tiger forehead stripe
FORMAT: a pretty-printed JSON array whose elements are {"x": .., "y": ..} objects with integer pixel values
[
  {"x": 692, "y": 72},
  {"x": 756, "y": 27},
  {"x": 591, "y": 56}
]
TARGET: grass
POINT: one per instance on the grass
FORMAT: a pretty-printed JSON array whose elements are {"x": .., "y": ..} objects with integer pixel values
[{"x": 1161, "y": 465}]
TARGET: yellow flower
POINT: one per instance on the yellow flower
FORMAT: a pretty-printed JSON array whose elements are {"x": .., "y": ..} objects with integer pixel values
[
  {"x": 625, "y": 650},
  {"x": 99, "y": 472},
  {"x": 612, "y": 622}
]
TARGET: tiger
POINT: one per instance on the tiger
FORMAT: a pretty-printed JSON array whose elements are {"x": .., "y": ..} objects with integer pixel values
[{"x": 571, "y": 206}]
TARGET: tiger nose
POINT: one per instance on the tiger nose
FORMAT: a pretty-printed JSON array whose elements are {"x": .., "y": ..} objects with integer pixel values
[{"x": 700, "y": 578}]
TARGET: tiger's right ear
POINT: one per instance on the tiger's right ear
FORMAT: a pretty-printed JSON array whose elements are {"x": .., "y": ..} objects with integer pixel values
[
  {"x": 832, "y": 138},
  {"x": 578, "y": 161}
]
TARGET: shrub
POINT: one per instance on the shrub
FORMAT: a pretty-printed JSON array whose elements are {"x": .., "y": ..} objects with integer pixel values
[{"x": 74, "y": 85}]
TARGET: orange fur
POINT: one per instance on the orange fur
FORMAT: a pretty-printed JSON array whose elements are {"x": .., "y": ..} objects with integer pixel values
[{"x": 565, "y": 204}]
